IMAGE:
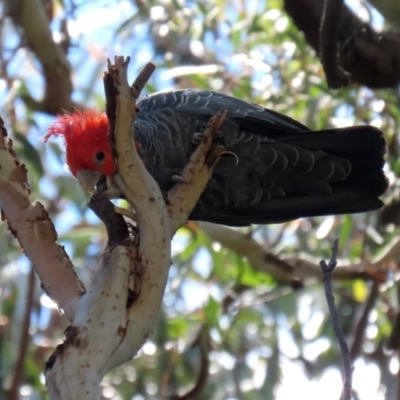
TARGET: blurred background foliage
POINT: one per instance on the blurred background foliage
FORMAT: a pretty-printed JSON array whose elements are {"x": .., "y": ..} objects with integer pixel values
[{"x": 227, "y": 330}]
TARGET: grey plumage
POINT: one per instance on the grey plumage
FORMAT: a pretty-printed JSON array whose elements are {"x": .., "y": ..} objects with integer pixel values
[{"x": 284, "y": 172}]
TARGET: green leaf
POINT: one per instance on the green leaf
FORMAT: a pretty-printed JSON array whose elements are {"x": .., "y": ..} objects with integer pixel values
[
  {"x": 345, "y": 230},
  {"x": 30, "y": 153},
  {"x": 212, "y": 312},
  {"x": 250, "y": 277}
]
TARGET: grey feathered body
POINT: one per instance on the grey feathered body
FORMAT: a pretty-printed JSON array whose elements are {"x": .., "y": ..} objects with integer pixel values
[{"x": 284, "y": 171}]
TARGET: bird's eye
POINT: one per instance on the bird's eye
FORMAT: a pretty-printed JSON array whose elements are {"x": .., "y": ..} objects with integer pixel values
[{"x": 100, "y": 156}]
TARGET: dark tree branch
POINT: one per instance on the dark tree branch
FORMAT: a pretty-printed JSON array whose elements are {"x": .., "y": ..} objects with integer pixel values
[
  {"x": 372, "y": 59},
  {"x": 117, "y": 229},
  {"x": 394, "y": 339},
  {"x": 362, "y": 323},
  {"x": 203, "y": 343},
  {"x": 336, "y": 76},
  {"x": 29, "y": 16},
  {"x": 142, "y": 78},
  {"x": 327, "y": 270}
]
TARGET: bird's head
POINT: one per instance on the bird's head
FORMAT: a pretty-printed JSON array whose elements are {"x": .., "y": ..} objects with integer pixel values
[
  {"x": 88, "y": 153},
  {"x": 85, "y": 134}
]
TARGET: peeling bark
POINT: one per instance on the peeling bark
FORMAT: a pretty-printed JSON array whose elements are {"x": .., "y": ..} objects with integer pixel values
[{"x": 31, "y": 226}]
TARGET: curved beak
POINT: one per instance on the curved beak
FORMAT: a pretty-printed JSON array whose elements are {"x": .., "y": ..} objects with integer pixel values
[
  {"x": 88, "y": 179},
  {"x": 95, "y": 181}
]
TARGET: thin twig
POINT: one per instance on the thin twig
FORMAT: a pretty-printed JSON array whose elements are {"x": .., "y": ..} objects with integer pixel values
[
  {"x": 361, "y": 324},
  {"x": 398, "y": 384},
  {"x": 13, "y": 393},
  {"x": 327, "y": 278},
  {"x": 394, "y": 341},
  {"x": 394, "y": 338},
  {"x": 203, "y": 342},
  {"x": 142, "y": 79},
  {"x": 336, "y": 76},
  {"x": 278, "y": 238}
]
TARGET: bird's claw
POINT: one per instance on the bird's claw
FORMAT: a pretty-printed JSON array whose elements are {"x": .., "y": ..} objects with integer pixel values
[
  {"x": 197, "y": 137},
  {"x": 214, "y": 154},
  {"x": 231, "y": 153},
  {"x": 178, "y": 179}
]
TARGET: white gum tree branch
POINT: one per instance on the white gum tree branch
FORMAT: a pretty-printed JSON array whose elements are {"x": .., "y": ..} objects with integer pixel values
[
  {"x": 106, "y": 331},
  {"x": 145, "y": 196},
  {"x": 110, "y": 327}
]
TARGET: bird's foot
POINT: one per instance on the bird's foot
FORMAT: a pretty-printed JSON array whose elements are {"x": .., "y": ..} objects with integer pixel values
[
  {"x": 196, "y": 172},
  {"x": 214, "y": 154}
]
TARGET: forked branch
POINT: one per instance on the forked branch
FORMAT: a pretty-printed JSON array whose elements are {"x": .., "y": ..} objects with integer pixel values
[
  {"x": 125, "y": 296},
  {"x": 327, "y": 270}
]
